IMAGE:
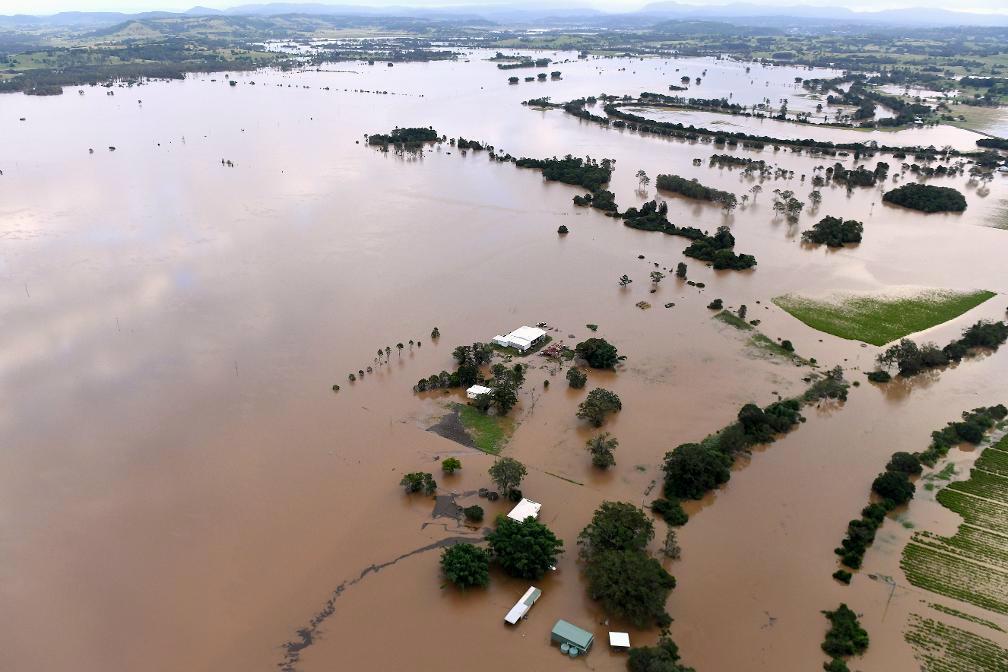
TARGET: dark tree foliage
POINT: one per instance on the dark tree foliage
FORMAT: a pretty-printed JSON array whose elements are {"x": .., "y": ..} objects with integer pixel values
[
  {"x": 670, "y": 510},
  {"x": 910, "y": 359},
  {"x": 615, "y": 526},
  {"x": 693, "y": 189},
  {"x": 662, "y": 657},
  {"x": 834, "y": 232},
  {"x": 905, "y": 463},
  {"x": 717, "y": 249},
  {"x": 419, "y": 481},
  {"x": 588, "y": 173},
  {"x": 631, "y": 585},
  {"x": 597, "y": 405},
  {"x": 473, "y": 513},
  {"x": 692, "y": 469},
  {"x": 507, "y": 473},
  {"x": 404, "y": 136},
  {"x": 893, "y": 486},
  {"x": 525, "y": 549},
  {"x": 992, "y": 143},
  {"x": 601, "y": 448},
  {"x": 466, "y": 565},
  {"x": 598, "y": 352},
  {"x": 845, "y": 636},
  {"x": 926, "y": 198},
  {"x": 879, "y": 376},
  {"x": 971, "y": 429},
  {"x": 576, "y": 378}
]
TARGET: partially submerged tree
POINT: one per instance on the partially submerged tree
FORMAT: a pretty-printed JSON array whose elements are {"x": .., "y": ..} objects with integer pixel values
[
  {"x": 598, "y": 352},
  {"x": 601, "y": 448},
  {"x": 615, "y": 526},
  {"x": 576, "y": 378},
  {"x": 631, "y": 585},
  {"x": 507, "y": 474},
  {"x": 466, "y": 565},
  {"x": 597, "y": 405},
  {"x": 525, "y": 549},
  {"x": 419, "y": 481}
]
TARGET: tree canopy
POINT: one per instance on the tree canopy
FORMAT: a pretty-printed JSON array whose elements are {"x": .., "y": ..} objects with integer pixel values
[
  {"x": 598, "y": 352},
  {"x": 692, "y": 469},
  {"x": 597, "y": 405},
  {"x": 525, "y": 549},
  {"x": 466, "y": 565},
  {"x": 926, "y": 198},
  {"x": 631, "y": 585},
  {"x": 834, "y": 232},
  {"x": 616, "y": 526},
  {"x": 507, "y": 473}
]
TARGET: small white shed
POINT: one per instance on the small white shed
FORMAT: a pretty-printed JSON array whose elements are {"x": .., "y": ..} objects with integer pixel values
[
  {"x": 524, "y": 509},
  {"x": 619, "y": 640},
  {"x": 477, "y": 390}
]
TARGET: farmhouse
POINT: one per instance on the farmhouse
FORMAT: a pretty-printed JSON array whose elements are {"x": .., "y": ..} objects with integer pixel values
[
  {"x": 524, "y": 509},
  {"x": 477, "y": 390},
  {"x": 521, "y": 339}
]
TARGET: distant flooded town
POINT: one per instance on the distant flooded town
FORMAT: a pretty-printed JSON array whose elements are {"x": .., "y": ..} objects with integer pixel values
[{"x": 660, "y": 338}]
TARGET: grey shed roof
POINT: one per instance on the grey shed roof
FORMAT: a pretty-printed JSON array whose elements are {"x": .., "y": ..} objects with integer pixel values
[{"x": 571, "y": 633}]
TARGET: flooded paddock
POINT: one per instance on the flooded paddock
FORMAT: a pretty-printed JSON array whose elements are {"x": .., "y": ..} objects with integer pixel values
[{"x": 180, "y": 488}]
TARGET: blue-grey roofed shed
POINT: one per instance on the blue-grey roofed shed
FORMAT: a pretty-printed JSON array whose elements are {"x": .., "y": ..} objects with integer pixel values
[{"x": 570, "y": 634}]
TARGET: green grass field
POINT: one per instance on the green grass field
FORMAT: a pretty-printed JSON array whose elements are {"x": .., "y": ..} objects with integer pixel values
[
  {"x": 489, "y": 432},
  {"x": 879, "y": 319}
]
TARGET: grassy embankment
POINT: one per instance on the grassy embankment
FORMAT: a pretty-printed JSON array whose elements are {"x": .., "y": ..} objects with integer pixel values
[
  {"x": 759, "y": 340},
  {"x": 878, "y": 319}
]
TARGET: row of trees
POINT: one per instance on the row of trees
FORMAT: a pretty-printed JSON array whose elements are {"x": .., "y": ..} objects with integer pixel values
[
  {"x": 844, "y": 638},
  {"x": 693, "y": 189},
  {"x": 693, "y": 469},
  {"x": 910, "y": 358},
  {"x": 894, "y": 487}
]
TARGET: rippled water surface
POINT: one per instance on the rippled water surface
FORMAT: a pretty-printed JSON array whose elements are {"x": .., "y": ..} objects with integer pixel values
[{"x": 180, "y": 488}]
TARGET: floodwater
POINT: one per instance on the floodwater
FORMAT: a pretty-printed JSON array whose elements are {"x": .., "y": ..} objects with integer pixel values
[
  {"x": 941, "y": 136},
  {"x": 180, "y": 488}
]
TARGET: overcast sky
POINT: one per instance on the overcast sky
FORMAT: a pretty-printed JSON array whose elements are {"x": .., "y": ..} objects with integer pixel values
[{"x": 52, "y": 6}]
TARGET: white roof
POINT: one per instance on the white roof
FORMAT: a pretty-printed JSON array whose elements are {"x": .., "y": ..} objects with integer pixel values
[
  {"x": 478, "y": 389},
  {"x": 619, "y": 639},
  {"x": 522, "y": 606},
  {"x": 526, "y": 334},
  {"x": 524, "y": 509}
]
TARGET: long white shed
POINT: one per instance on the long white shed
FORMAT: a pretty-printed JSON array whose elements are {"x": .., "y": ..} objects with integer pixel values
[{"x": 523, "y": 605}]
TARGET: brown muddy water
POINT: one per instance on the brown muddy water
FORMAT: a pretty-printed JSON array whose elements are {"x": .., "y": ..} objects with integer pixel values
[{"x": 181, "y": 489}]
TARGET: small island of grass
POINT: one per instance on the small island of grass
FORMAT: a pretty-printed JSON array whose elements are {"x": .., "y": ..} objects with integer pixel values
[{"x": 879, "y": 319}]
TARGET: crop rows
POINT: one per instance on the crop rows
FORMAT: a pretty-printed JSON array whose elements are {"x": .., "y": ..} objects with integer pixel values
[
  {"x": 955, "y": 577},
  {"x": 970, "y": 542},
  {"x": 940, "y": 647},
  {"x": 994, "y": 461},
  {"x": 983, "y": 484},
  {"x": 966, "y": 617},
  {"x": 976, "y": 512}
]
